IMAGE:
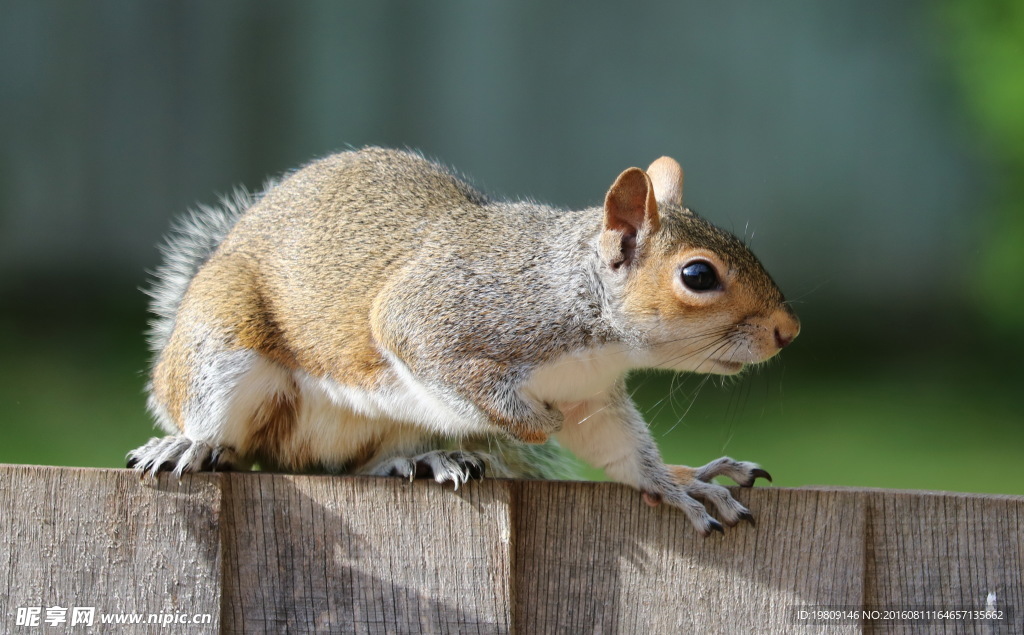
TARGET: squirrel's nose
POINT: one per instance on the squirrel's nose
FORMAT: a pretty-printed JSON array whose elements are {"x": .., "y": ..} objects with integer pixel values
[
  {"x": 782, "y": 341},
  {"x": 786, "y": 330}
]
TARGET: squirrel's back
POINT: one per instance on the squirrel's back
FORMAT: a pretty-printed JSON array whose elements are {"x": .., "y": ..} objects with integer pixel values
[
  {"x": 358, "y": 181},
  {"x": 337, "y": 276}
]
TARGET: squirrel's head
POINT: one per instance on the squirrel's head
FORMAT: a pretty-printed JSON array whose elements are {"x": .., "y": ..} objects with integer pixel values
[{"x": 695, "y": 294}]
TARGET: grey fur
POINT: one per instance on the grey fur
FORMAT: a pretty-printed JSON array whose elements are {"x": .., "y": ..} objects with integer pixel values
[{"x": 191, "y": 241}]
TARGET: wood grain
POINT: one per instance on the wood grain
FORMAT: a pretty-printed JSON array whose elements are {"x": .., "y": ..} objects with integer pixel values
[
  {"x": 104, "y": 539},
  {"x": 946, "y": 550},
  {"x": 274, "y": 553},
  {"x": 310, "y": 554},
  {"x": 591, "y": 557}
]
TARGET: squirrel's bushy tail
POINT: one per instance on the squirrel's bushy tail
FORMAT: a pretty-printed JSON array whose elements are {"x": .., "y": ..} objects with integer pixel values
[
  {"x": 192, "y": 240},
  {"x": 514, "y": 459}
]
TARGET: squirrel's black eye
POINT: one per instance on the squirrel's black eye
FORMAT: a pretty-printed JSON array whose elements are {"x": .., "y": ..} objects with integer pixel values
[{"x": 700, "y": 276}]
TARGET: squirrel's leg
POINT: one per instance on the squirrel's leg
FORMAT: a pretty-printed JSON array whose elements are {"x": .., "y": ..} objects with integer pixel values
[
  {"x": 220, "y": 398},
  {"x": 520, "y": 416},
  {"x": 524, "y": 421},
  {"x": 609, "y": 433},
  {"x": 503, "y": 404}
]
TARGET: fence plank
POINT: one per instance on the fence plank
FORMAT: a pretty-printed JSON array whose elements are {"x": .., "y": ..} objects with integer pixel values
[
  {"x": 947, "y": 551},
  {"x": 591, "y": 559},
  {"x": 305, "y": 553},
  {"x": 103, "y": 539}
]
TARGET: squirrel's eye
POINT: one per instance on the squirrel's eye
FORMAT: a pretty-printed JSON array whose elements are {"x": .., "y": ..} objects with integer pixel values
[{"x": 700, "y": 276}]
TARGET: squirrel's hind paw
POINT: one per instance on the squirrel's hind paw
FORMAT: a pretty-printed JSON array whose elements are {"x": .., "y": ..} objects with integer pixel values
[
  {"x": 179, "y": 454},
  {"x": 457, "y": 467}
]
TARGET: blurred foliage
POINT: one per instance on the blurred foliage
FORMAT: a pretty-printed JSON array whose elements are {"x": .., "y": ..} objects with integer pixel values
[
  {"x": 883, "y": 389},
  {"x": 986, "y": 49}
]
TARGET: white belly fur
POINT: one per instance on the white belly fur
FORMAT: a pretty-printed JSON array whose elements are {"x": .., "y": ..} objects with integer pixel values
[{"x": 337, "y": 421}]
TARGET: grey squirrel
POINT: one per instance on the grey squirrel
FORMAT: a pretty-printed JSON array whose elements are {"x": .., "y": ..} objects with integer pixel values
[{"x": 372, "y": 313}]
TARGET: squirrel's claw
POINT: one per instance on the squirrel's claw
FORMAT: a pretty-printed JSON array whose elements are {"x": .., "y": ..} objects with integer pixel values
[
  {"x": 758, "y": 473},
  {"x": 457, "y": 467},
  {"x": 695, "y": 483},
  {"x": 747, "y": 516},
  {"x": 180, "y": 455}
]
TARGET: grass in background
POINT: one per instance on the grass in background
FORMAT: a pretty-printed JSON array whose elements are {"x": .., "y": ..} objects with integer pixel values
[
  {"x": 922, "y": 426},
  {"x": 75, "y": 398}
]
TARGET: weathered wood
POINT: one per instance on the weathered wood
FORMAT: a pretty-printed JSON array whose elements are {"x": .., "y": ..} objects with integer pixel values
[
  {"x": 931, "y": 549},
  {"x": 590, "y": 559},
  {"x": 104, "y": 539},
  {"x": 316, "y": 554},
  {"x": 271, "y": 553}
]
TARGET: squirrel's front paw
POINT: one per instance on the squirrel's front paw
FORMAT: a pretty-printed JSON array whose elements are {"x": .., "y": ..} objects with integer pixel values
[
  {"x": 536, "y": 426},
  {"x": 743, "y": 472},
  {"x": 694, "y": 483},
  {"x": 456, "y": 466}
]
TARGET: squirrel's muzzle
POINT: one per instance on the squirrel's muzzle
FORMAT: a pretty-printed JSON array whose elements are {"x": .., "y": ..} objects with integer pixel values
[{"x": 787, "y": 326}]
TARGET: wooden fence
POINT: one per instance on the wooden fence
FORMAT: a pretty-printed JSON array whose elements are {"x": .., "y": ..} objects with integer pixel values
[{"x": 257, "y": 553}]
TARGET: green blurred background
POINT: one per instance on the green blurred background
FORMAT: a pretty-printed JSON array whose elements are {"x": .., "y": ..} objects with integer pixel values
[{"x": 874, "y": 152}]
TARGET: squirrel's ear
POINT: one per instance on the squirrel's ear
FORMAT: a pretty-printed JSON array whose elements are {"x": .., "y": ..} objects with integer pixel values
[
  {"x": 630, "y": 204},
  {"x": 667, "y": 178},
  {"x": 629, "y": 210}
]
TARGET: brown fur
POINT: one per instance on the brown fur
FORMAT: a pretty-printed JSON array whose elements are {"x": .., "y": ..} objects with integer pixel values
[
  {"x": 682, "y": 473},
  {"x": 272, "y": 427},
  {"x": 171, "y": 376}
]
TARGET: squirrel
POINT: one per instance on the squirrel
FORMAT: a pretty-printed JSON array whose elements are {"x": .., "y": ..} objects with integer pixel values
[{"x": 373, "y": 313}]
